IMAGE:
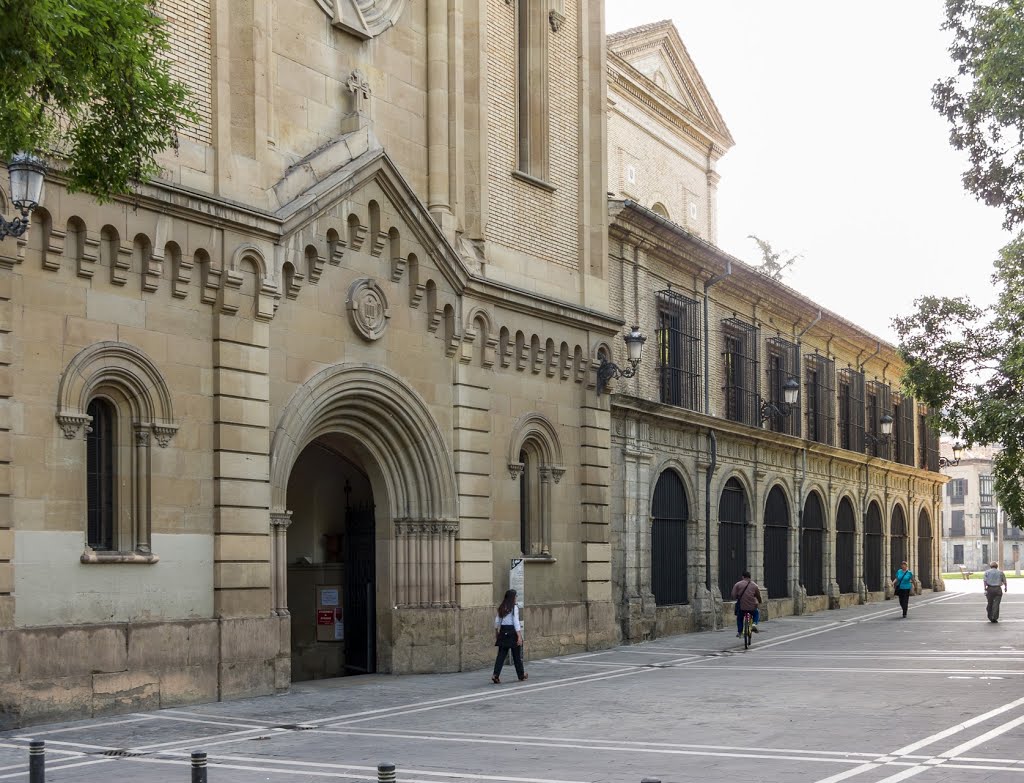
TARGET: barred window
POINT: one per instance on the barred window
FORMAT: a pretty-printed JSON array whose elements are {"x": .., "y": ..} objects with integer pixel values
[
  {"x": 781, "y": 366},
  {"x": 903, "y": 431},
  {"x": 819, "y": 398},
  {"x": 879, "y": 404},
  {"x": 927, "y": 441},
  {"x": 988, "y": 520},
  {"x": 739, "y": 360},
  {"x": 986, "y": 489},
  {"x": 679, "y": 345},
  {"x": 101, "y": 471},
  {"x": 851, "y": 409}
]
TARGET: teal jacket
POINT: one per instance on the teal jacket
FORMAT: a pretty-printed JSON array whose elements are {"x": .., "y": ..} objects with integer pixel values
[{"x": 904, "y": 580}]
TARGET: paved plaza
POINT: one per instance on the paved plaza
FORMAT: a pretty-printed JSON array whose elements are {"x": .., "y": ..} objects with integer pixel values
[{"x": 856, "y": 695}]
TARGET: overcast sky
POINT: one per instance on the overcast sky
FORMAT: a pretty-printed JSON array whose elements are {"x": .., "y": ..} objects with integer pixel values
[{"x": 839, "y": 155}]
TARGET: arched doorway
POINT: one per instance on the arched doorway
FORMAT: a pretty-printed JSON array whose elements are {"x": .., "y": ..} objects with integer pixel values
[
  {"x": 812, "y": 538},
  {"x": 924, "y": 549},
  {"x": 897, "y": 541},
  {"x": 670, "y": 513},
  {"x": 364, "y": 484},
  {"x": 873, "y": 548},
  {"x": 846, "y": 533},
  {"x": 331, "y": 562},
  {"x": 732, "y": 536},
  {"x": 776, "y": 543}
]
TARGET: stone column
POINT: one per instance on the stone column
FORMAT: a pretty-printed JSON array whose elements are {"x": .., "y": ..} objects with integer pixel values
[
  {"x": 142, "y": 538},
  {"x": 829, "y": 566},
  {"x": 438, "y": 173},
  {"x": 638, "y": 600},
  {"x": 7, "y": 354},
  {"x": 279, "y": 522},
  {"x": 425, "y": 563}
]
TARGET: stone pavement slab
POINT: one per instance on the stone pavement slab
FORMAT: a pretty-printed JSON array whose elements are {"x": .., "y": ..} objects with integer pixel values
[{"x": 857, "y": 694}]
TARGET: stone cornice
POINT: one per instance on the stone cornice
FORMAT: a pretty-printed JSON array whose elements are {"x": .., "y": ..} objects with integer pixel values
[{"x": 622, "y": 404}]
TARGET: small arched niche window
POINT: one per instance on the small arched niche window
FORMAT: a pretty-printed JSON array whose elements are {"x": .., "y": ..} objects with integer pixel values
[
  {"x": 537, "y": 466},
  {"x": 118, "y": 396},
  {"x": 659, "y": 209}
]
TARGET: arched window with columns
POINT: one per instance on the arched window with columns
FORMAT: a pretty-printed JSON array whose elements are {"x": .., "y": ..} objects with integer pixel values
[{"x": 535, "y": 459}]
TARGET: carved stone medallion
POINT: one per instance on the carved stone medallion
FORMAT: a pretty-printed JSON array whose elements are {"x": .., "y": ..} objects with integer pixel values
[
  {"x": 363, "y": 18},
  {"x": 368, "y": 308}
]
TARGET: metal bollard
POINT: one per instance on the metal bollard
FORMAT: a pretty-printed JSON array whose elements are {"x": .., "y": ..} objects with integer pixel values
[
  {"x": 386, "y": 773},
  {"x": 198, "y": 766},
  {"x": 36, "y": 761}
]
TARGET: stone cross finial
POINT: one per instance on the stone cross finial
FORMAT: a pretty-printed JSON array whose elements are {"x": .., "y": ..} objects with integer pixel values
[{"x": 359, "y": 86}]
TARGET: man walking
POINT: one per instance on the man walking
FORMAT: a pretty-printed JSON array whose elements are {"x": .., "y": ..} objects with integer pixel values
[{"x": 995, "y": 586}]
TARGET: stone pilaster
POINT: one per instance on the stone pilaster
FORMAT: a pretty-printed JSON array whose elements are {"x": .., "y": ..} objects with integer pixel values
[
  {"x": 473, "y": 563},
  {"x": 639, "y": 609},
  {"x": 425, "y": 563},
  {"x": 242, "y": 579},
  {"x": 6, "y": 398},
  {"x": 595, "y": 491}
]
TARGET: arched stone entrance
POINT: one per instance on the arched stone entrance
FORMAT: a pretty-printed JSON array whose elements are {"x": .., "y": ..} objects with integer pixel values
[{"x": 363, "y": 501}]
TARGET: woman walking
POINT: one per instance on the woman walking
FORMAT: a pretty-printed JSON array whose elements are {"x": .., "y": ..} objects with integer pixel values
[
  {"x": 508, "y": 635},
  {"x": 904, "y": 583}
]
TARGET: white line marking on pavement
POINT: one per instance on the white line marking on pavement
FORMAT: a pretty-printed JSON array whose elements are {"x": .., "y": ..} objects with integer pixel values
[
  {"x": 177, "y": 718},
  {"x": 973, "y": 743},
  {"x": 90, "y": 726},
  {"x": 933, "y": 738},
  {"x": 852, "y": 669},
  {"x": 250, "y": 721}
]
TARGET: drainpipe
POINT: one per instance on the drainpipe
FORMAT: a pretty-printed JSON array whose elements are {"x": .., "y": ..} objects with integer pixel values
[
  {"x": 862, "y": 364},
  {"x": 712, "y": 439}
]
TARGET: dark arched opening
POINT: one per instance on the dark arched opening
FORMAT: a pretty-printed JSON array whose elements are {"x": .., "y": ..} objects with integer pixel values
[
  {"x": 732, "y": 535},
  {"x": 776, "y": 544},
  {"x": 846, "y": 532},
  {"x": 670, "y": 513},
  {"x": 924, "y": 548},
  {"x": 812, "y": 536},
  {"x": 873, "y": 548},
  {"x": 897, "y": 541}
]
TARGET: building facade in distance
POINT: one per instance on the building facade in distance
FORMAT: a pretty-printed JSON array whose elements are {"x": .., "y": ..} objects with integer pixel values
[
  {"x": 976, "y": 528},
  {"x": 713, "y": 472}
]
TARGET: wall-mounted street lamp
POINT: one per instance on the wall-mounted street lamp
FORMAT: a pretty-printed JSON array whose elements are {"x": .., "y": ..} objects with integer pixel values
[
  {"x": 945, "y": 462},
  {"x": 26, "y": 172},
  {"x": 790, "y": 394},
  {"x": 634, "y": 351},
  {"x": 886, "y": 426}
]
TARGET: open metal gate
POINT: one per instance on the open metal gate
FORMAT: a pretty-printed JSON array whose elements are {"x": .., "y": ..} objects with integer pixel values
[{"x": 360, "y": 581}]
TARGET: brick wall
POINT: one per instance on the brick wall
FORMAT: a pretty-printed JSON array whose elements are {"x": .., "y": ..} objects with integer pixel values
[
  {"x": 524, "y": 217},
  {"x": 188, "y": 26}
]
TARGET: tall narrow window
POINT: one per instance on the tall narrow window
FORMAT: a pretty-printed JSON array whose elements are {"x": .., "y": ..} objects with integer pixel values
[
  {"x": 781, "y": 366},
  {"x": 739, "y": 360},
  {"x": 903, "y": 431},
  {"x": 819, "y": 398},
  {"x": 526, "y": 507},
  {"x": 678, "y": 349},
  {"x": 100, "y": 473},
  {"x": 878, "y": 404},
  {"x": 851, "y": 409},
  {"x": 532, "y": 89}
]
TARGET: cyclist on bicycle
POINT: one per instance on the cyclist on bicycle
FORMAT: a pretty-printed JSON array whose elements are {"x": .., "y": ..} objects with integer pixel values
[{"x": 747, "y": 595}]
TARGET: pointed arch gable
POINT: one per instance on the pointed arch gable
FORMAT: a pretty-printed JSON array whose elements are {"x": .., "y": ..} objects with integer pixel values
[
  {"x": 389, "y": 419},
  {"x": 131, "y": 372}
]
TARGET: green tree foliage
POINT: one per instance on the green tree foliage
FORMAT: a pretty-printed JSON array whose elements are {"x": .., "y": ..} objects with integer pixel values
[
  {"x": 772, "y": 263},
  {"x": 984, "y": 101},
  {"x": 86, "y": 83},
  {"x": 966, "y": 361}
]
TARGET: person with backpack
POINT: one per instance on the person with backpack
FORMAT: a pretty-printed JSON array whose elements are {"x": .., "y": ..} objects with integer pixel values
[{"x": 903, "y": 584}]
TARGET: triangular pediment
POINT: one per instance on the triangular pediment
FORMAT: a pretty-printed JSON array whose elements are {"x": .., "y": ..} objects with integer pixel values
[
  {"x": 655, "y": 58},
  {"x": 352, "y": 190}
]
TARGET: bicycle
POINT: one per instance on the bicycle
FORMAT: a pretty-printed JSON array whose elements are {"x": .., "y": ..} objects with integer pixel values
[{"x": 748, "y": 632}]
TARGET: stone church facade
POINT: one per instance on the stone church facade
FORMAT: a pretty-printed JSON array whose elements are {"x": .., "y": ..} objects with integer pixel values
[
  {"x": 713, "y": 473},
  {"x": 291, "y": 410}
]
